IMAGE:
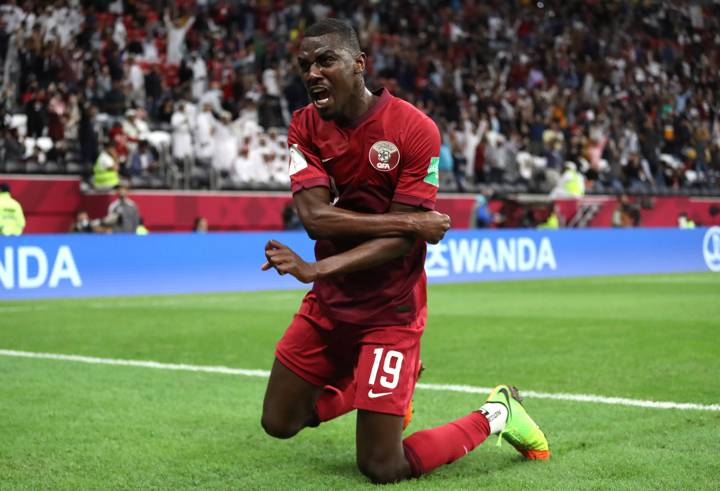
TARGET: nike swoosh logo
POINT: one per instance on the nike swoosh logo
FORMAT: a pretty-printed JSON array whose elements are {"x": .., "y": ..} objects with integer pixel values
[
  {"x": 373, "y": 395},
  {"x": 327, "y": 159},
  {"x": 504, "y": 392}
]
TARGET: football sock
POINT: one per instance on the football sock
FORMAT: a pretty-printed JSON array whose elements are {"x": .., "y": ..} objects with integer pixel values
[
  {"x": 496, "y": 413},
  {"x": 334, "y": 402},
  {"x": 428, "y": 449}
]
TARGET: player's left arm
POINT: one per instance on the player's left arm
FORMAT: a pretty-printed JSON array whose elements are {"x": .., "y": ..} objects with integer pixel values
[
  {"x": 418, "y": 182},
  {"x": 367, "y": 255}
]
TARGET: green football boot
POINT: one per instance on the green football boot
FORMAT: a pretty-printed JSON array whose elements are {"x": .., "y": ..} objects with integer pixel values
[{"x": 520, "y": 430}]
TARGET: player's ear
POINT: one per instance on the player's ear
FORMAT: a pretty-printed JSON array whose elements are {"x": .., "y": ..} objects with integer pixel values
[{"x": 360, "y": 63}]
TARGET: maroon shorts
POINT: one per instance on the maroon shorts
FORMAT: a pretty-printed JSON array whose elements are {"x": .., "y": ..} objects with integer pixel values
[{"x": 382, "y": 362}]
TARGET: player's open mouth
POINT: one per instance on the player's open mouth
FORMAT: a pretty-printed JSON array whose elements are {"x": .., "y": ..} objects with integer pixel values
[{"x": 320, "y": 96}]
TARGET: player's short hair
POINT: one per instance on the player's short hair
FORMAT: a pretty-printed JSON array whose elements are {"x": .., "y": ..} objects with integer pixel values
[{"x": 342, "y": 28}]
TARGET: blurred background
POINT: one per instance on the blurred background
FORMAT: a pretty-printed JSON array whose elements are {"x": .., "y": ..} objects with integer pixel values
[{"x": 553, "y": 114}]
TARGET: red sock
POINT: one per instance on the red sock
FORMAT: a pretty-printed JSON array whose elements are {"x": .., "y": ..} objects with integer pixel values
[
  {"x": 428, "y": 449},
  {"x": 334, "y": 402}
]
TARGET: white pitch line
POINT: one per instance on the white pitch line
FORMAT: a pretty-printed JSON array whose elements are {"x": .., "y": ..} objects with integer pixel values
[
  {"x": 136, "y": 363},
  {"x": 615, "y": 401}
]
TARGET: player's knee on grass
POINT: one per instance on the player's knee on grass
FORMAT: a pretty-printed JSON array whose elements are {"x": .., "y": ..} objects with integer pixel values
[
  {"x": 380, "y": 454},
  {"x": 382, "y": 463},
  {"x": 381, "y": 471},
  {"x": 283, "y": 420},
  {"x": 289, "y": 404},
  {"x": 279, "y": 427}
]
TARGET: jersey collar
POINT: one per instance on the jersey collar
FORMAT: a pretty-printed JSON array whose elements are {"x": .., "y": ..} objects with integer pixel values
[{"x": 383, "y": 98}]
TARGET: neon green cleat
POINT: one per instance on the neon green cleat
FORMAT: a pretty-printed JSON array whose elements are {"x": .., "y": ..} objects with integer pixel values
[{"x": 520, "y": 430}]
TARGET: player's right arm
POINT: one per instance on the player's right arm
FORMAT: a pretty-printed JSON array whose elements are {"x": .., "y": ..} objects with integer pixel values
[{"x": 322, "y": 220}]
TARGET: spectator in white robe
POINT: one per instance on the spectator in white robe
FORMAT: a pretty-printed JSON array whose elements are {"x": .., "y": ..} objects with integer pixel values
[
  {"x": 212, "y": 96},
  {"x": 261, "y": 168},
  {"x": 176, "y": 32},
  {"x": 243, "y": 172},
  {"x": 199, "y": 81},
  {"x": 150, "y": 51},
  {"x": 120, "y": 34},
  {"x": 203, "y": 134},
  {"x": 182, "y": 144},
  {"x": 225, "y": 146},
  {"x": 136, "y": 82}
]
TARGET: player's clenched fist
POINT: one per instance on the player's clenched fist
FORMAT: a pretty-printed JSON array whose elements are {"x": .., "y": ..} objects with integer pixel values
[
  {"x": 431, "y": 226},
  {"x": 284, "y": 260}
]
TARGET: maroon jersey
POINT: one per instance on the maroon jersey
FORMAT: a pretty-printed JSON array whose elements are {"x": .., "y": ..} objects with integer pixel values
[{"x": 390, "y": 154}]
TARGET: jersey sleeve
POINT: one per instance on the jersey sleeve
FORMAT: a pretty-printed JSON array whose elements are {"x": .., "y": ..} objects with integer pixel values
[
  {"x": 419, "y": 181},
  {"x": 304, "y": 166}
]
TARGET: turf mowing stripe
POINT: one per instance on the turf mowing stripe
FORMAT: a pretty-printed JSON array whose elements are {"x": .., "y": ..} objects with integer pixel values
[
  {"x": 141, "y": 303},
  {"x": 22, "y": 308},
  {"x": 616, "y": 401}
]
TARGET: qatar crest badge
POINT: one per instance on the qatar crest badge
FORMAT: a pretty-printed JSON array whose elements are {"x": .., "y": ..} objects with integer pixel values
[{"x": 384, "y": 156}]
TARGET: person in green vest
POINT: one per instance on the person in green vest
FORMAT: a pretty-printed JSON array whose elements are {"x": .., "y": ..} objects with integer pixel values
[
  {"x": 552, "y": 221},
  {"x": 571, "y": 183},
  {"x": 105, "y": 171},
  {"x": 684, "y": 221},
  {"x": 141, "y": 229},
  {"x": 574, "y": 184},
  {"x": 12, "y": 218}
]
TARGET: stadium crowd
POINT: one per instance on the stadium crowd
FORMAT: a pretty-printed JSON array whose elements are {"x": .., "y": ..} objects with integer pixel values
[{"x": 553, "y": 97}]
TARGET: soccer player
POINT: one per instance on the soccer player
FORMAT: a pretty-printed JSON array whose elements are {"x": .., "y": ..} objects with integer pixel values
[{"x": 364, "y": 173}]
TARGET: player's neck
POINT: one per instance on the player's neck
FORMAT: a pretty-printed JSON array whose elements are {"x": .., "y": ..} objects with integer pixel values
[{"x": 358, "y": 107}]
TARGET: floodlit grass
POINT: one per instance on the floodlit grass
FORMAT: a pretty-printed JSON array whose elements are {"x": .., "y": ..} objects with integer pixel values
[{"x": 66, "y": 425}]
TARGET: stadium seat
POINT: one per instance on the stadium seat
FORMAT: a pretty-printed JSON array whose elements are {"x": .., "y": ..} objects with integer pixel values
[
  {"x": 73, "y": 167},
  {"x": 14, "y": 167},
  {"x": 51, "y": 167},
  {"x": 157, "y": 183}
]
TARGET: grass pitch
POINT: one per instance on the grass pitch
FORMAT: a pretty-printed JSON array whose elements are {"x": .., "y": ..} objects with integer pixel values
[{"x": 67, "y": 425}]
